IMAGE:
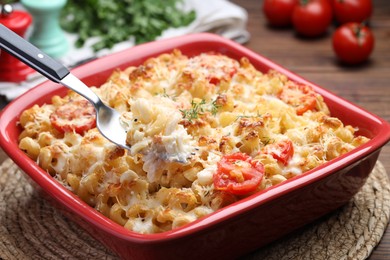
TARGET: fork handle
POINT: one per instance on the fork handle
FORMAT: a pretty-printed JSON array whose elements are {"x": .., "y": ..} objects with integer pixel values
[{"x": 31, "y": 55}]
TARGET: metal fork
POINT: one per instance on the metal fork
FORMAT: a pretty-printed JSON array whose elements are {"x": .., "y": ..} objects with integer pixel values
[{"x": 107, "y": 119}]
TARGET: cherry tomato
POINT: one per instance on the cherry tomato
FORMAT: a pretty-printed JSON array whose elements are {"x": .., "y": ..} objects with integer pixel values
[
  {"x": 282, "y": 151},
  {"x": 279, "y": 12},
  {"x": 76, "y": 115},
  {"x": 353, "y": 43},
  {"x": 352, "y": 10},
  {"x": 330, "y": 3},
  {"x": 238, "y": 174},
  {"x": 311, "y": 18},
  {"x": 300, "y": 96}
]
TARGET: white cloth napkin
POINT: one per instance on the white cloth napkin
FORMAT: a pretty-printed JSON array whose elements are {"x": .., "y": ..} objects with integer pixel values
[{"x": 218, "y": 16}]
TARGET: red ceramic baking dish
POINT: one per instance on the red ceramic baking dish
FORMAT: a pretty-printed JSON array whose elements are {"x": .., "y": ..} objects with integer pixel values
[{"x": 238, "y": 228}]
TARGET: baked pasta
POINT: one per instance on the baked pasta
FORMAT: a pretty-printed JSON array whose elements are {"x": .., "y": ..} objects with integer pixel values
[{"x": 203, "y": 132}]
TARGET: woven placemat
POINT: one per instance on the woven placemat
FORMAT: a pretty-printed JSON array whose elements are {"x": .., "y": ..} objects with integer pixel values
[{"x": 30, "y": 228}]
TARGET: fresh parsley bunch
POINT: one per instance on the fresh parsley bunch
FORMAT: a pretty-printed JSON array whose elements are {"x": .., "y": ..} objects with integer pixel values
[{"x": 116, "y": 20}]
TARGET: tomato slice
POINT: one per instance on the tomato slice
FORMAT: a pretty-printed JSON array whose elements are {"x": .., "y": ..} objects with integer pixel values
[
  {"x": 214, "y": 67},
  {"x": 76, "y": 115},
  {"x": 282, "y": 151},
  {"x": 301, "y": 97},
  {"x": 238, "y": 174}
]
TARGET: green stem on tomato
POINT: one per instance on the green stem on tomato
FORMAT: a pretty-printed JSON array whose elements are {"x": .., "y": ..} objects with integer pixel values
[
  {"x": 304, "y": 2},
  {"x": 357, "y": 31}
]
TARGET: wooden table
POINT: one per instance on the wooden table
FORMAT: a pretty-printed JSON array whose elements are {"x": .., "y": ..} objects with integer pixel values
[{"x": 367, "y": 85}]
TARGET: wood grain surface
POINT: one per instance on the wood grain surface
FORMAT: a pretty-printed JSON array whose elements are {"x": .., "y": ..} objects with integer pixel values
[{"x": 367, "y": 85}]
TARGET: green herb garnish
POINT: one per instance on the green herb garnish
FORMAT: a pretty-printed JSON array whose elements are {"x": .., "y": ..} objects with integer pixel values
[
  {"x": 117, "y": 20},
  {"x": 194, "y": 111},
  {"x": 200, "y": 108},
  {"x": 258, "y": 115},
  {"x": 214, "y": 107}
]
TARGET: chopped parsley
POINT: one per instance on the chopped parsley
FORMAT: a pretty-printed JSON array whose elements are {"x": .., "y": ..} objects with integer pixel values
[{"x": 117, "y": 20}]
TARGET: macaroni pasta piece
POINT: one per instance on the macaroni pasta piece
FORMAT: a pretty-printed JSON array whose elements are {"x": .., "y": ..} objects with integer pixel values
[{"x": 203, "y": 132}]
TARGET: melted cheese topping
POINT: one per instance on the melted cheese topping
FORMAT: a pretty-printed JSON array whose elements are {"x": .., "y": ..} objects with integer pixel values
[{"x": 183, "y": 115}]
